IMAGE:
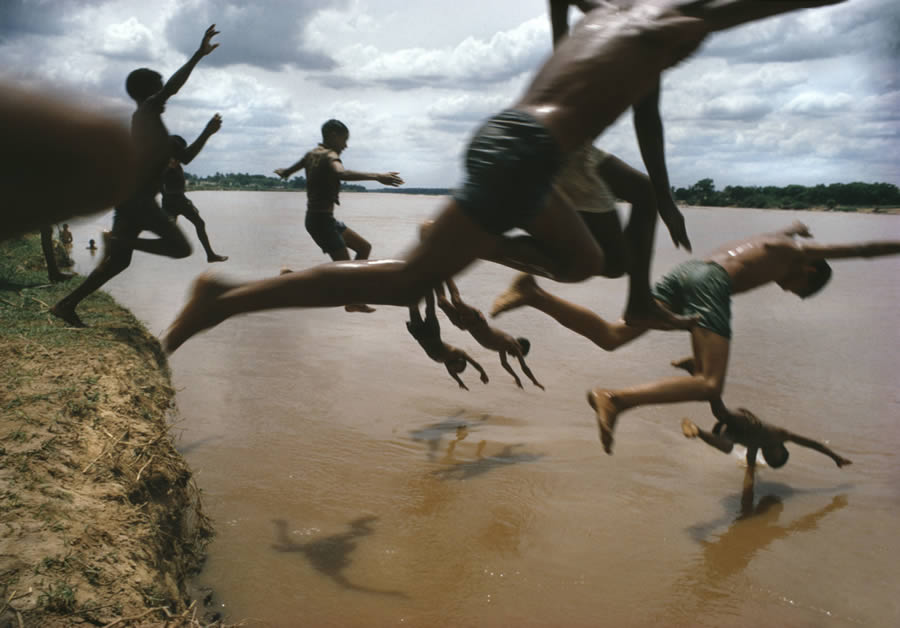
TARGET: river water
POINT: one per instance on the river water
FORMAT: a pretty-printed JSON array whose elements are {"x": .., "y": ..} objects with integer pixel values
[{"x": 352, "y": 483}]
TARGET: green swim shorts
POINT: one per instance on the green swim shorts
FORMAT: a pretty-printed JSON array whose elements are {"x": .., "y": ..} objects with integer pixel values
[{"x": 699, "y": 287}]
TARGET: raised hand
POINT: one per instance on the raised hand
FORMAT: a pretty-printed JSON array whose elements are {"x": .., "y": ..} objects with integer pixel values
[
  {"x": 282, "y": 172},
  {"x": 206, "y": 46},
  {"x": 214, "y": 124}
]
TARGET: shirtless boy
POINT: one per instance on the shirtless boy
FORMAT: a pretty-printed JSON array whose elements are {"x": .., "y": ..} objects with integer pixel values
[
  {"x": 324, "y": 173},
  {"x": 704, "y": 288},
  {"x": 427, "y": 333},
  {"x": 591, "y": 180},
  {"x": 174, "y": 201},
  {"x": 511, "y": 164},
  {"x": 141, "y": 212},
  {"x": 472, "y": 320}
]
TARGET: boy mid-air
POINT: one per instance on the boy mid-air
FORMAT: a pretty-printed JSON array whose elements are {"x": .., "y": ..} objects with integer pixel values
[
  {"x": 174, "y": 202},
  {"x": 472, "y": 320},
  {"x": 427, "y": 333}
]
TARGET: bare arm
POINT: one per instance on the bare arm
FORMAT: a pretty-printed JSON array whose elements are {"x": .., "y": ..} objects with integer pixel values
[
  {"x": 214, "y": 124},
  {"x": 649, "y": 129},
  {"x": 813, "y": 251},
  {"x": 455, "y": 376},
  {"x": 559, "y": 19},
  {"x": 528, "y": 372},
  {"x": 285, "y": 173},
  {"x": 484, "y": 377},
  {"x": 387, "y": 178},
  {"x": 812, "y": 444},
  {"x": 177, "y": 80},
  {"x": 506, "y": 366}
]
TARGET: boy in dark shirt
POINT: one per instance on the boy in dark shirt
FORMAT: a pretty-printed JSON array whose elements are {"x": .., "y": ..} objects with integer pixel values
[
  {"x": 174, "y": 202},
  {"x": 141, "y": 212},
  {"x": 428, "y": 334},
  {"x": 324, "y": 173}
]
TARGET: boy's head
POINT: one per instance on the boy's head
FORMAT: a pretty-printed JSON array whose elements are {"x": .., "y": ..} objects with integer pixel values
[
  {"x": 142, "y": 83},
  {"x": 335, "y": 135},
  {"x": 808, "y": 280},
  {"x": 524, "y": 345},
  {"x": 177, "y": 146},
  {"x": 776, "y": 455},
  {"x": 457, "y": 364}
]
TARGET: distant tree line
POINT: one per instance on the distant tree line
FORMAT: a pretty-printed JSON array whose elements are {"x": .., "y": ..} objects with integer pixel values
[
  {"x": 837, "y": 196},
  {"x": 257, "y": 182}
]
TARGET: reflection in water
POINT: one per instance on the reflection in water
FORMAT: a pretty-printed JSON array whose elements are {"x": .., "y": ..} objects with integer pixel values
[
  {"x": 472, "y": 468},
  {"x": 433, "y": 434},
  {"x": 330, "y": 555},
  {"x": 754, "y": 528}
]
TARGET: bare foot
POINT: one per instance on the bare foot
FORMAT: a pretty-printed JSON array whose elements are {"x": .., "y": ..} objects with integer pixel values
[
  {"x": 66, "y": 313},
  {"x": 519, "y": 293},
  {"x": 607, "y": 413},
  {"x": 198, "y": 314},
  {"x": 653, "y": 315},
  {"x": 685, "y": 363},
  {"x": 689, "y": 428},
  {"x": 284, "y": 270},
  {"x": 216, "y": 258},
  {"x": 359, "y": 307}
]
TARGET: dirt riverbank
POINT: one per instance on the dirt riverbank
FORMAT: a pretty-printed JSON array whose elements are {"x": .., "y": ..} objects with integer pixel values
[{"x": 100, "y": 521}]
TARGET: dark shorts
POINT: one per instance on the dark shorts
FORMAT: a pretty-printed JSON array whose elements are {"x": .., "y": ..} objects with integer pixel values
[
  {"x": 699, "y": 287},
  {"x": 176, "y": 205},
  {"x": 326, "y": 231},
  {"x": 511, "y": 163},
  {"x": 137, "y": 215}
]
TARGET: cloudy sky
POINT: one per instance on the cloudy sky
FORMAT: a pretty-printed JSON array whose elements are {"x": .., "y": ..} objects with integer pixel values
[{"x": 808, "y": 98}]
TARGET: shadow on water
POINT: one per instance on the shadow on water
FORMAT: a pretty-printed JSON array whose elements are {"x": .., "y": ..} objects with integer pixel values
[
  {"x": 197, "y": 444},
  {"x": 331, "y": 555},
  {"x": 481, "y": 465}
]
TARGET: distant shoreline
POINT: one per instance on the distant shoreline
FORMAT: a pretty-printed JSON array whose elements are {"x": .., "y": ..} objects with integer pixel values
[{"x": 446, "y": 192}]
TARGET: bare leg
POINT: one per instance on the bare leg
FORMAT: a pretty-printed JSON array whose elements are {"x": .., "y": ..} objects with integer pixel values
[
  {"x": 642, "y": 310},
  {"x": 200, "y": 226},
  {"x": 357, "y": 244},
  {"x": 711, "y": 361},
  {"x": 342, "y": 255},
  {"x": 525, "y": 291},
  {"x": 50, "y": 256},
  {"x": 452, "y": 244},
  {"x": 723, "y": 14}
]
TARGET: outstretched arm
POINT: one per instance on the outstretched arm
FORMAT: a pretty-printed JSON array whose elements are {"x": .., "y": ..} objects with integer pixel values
[
  {"x": 214, "y": 124},
  {"x": 177, "y": 80},
  {"x": 386, "y": 178},
  {"x": 455, "y": 376},
  {"x": 285, "y": 173},
  {"x": 812, "y": 444},
  {"x": 649, "y": 129},
  {"x": 477, "y": 366},
  {"x": 506, "y": 366},
  {"x": 813, "y": 251},
  {"x": 528, "y": 372}
]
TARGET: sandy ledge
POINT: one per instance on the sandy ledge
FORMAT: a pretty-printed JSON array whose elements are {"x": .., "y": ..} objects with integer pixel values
[{"x": 100, "y": 520}]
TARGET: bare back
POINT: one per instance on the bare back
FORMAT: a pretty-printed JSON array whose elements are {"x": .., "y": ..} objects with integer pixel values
[
  {"x": 628, "y": 45},
  {"x": 757, "y": 260}
]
